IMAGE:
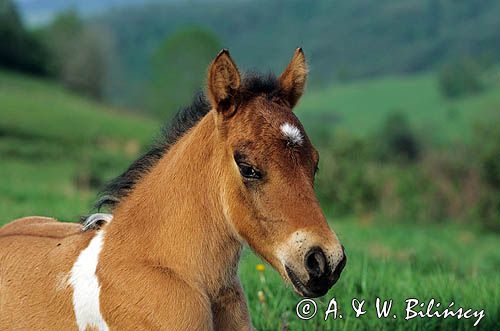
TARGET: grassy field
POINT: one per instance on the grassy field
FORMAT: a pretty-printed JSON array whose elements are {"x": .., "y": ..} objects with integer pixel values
[
  {"x": 392, "y": 262},
  {"x": 56, "y": 149},
  {"x": 53, "y": 145},
  {"x": 361, "y": 107}
]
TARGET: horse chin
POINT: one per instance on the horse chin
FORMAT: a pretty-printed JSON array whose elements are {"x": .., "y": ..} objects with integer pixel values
[{"x": 299, "y": 287}]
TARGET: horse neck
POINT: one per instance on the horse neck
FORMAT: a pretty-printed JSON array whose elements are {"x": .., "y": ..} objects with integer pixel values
[{"x": 174, "y": 218}]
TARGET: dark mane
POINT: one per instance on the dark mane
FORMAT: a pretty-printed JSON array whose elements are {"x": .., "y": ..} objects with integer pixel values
[{"x": 252, "y": 85}]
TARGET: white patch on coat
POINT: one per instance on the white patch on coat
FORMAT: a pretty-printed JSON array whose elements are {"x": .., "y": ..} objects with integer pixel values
[
  {"x": 291, "y": 133},
  {"x": 86, "y": 287}
]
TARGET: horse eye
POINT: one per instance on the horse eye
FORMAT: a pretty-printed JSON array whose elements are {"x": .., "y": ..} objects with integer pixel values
[{"x": 248, "y": 171}]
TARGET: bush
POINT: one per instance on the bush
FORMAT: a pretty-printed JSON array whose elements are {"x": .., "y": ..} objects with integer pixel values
[
  {"x": 344, "y": 182},
  {"x": 365, "y": 176},
  {"x": 488, "y": 147},
  {"x": 396, "y": 140},
  {"x": 460, "y": 78}
]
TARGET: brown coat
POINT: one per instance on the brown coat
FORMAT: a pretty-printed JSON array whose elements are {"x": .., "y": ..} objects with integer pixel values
[{"x": 168, "y": 259}]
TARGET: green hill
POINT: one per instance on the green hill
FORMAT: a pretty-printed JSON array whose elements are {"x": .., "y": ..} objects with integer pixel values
[
  {"x": 43, "y": 109},
  {"x": 361, "y": 107},
  {"x": 56, "y": 148},
  {"x": 343, "y": 39}
]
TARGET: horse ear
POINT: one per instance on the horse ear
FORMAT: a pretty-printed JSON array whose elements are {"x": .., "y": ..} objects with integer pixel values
[
  {"x": 223, "y": 82},
  {"x": 293, "y": 79}
]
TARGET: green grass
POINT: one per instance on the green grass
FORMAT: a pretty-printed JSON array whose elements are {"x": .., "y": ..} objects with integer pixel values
[
  {"x": 51, "y": 139},
  {"x": 361, "y": 107},
  {"x": 41, "y": 109},
  {"x": 396, "y": 262}
]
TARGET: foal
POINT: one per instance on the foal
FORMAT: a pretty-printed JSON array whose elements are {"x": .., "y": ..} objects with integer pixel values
[{"x": 236, "y": 167}]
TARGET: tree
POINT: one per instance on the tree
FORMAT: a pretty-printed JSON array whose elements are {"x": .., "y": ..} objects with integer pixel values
[
  {"x": 86, "y": 70},
  {"x": 80, "y": 55},
  {"x": 58, "y": 36},
  {"x": 178, "y": 68},
  {"x": 19, "y": 50}
]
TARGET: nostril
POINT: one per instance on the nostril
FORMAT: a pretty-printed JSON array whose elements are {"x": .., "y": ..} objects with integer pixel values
[{"x": 315, "y": 262}]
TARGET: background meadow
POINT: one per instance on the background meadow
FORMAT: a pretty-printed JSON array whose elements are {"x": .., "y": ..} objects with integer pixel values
[{"x": 403, "y": 104}]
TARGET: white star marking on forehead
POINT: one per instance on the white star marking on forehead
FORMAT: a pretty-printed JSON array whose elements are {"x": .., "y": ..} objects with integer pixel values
[{"x": 292, "y": 133}]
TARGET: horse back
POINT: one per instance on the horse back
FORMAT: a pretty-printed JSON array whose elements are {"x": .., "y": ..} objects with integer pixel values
[
  {"x": 36, "y": 257},
  {"x": 38, "y": 226}
]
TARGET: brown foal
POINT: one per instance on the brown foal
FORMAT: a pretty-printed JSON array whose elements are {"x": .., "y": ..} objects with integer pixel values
[{"x": 237, "y": 167}]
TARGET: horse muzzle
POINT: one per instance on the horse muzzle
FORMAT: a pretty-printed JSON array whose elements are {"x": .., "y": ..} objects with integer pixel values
[{"x": 320, "y": 273}]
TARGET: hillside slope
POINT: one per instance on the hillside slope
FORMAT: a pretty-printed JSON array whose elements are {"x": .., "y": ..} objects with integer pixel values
[
  {"x": 341, "y": 38},
  {"x": 57, "y": 148},
  {"x": 361, "y": 107}
]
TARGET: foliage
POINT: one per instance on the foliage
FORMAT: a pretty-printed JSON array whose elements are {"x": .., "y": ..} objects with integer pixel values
[
  {"x": 459, "y": 182},
  {"x": 347, "y": 39},
  {"x": 460, "y": 77},
  {"x": 343, "y": 182},
  {"x": 19, "y": 50},
  {"x": 67, "y": 48},
  {"x": 178, "y": 68},
  {"x": 396, "y": 140},
  {"x": 79, "y": 55},
  {"x": 488, "y": 145}
]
